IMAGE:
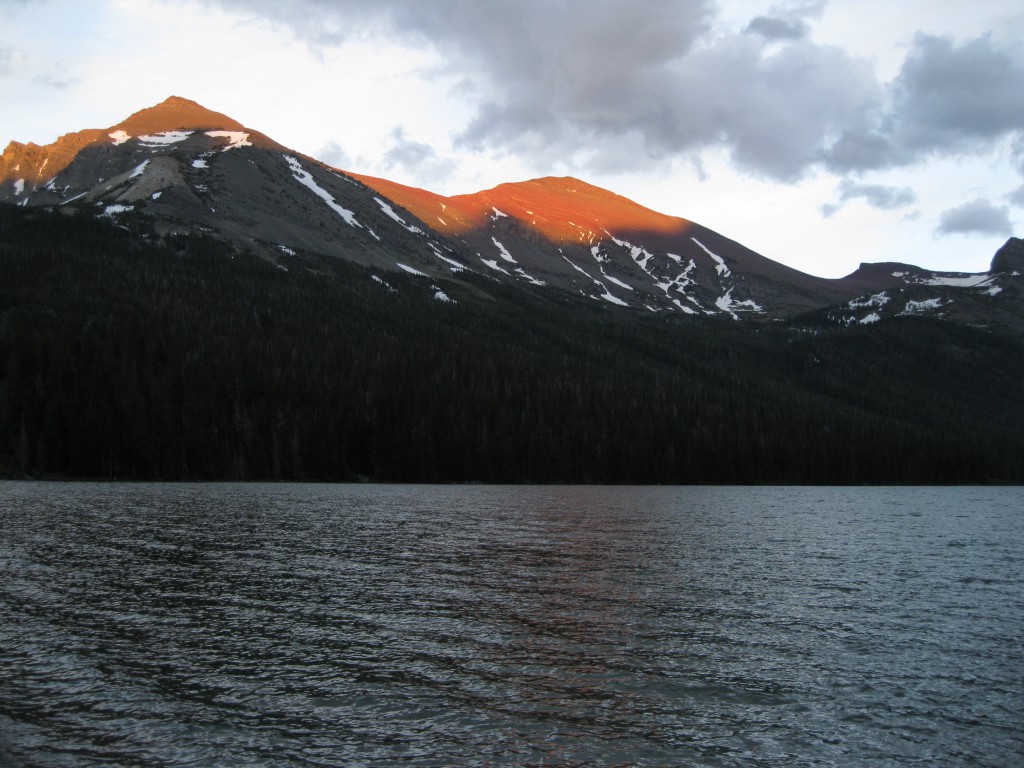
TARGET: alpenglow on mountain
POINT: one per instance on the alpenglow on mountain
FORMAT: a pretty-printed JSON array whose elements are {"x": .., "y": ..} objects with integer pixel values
[
  {"x": 184, "y": 298},
  {"x": 187, "y": 169}
]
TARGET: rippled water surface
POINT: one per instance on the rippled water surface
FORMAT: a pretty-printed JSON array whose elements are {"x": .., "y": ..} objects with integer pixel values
[{"x": 413, "y": 625}]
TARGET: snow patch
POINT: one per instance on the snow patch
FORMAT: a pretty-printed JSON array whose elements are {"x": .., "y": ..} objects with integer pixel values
[
  {"x": 878, "y": 300},
  {"x": 720, "y": 267},
  {"x": 638, "y": 253},
  {"x": 199, "y": 163},
  {"x": 497, "y": 214},
  {"x": 874, "y": 317},
  {"x": 675, "y": 258},
  {"x": 504, "y": 252},
  {"x": 522, "y": 273},
  {"x": 493, "y": 264},
  {"x": 993, "y": 290},
  {"x": 384, "y": 283},
  {"x": 390, "y": 213},
  {"x": 441, "y": 295},
  {"x": 957, "y": 281},
  {"x": 410, "y": 270},
  {"x": 286, "y": 249},
  {"x": 918, "y": 307},
  {"x": 607, "y": 296},
  {"x": 616, "y": 280},
  {"x": 155, "y": 196},
  {"x": 724, "y": 303},
  {"x": 19, "y": 187},
  {"x": 727, "y": 304},
  {"x": 235, "y": 139},
  {"x": 141, "y": 169},
  {"x": 111, "y": 210},
  {"x": 303, "y": 177},
  {"x": 680, "y": 283},
  {"x": 452, "y": 263},
  {"x": 163, "y": 139},
  {"x": 119, "y": 137}
]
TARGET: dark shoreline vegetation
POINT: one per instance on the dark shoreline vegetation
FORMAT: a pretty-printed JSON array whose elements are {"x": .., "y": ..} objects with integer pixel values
[{"x": 124, "y": 354}]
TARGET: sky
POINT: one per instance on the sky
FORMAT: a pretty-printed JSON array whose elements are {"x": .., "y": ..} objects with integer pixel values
[{"x": 819, "y": 133}]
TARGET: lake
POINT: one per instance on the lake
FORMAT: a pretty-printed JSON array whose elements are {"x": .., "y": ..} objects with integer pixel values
[{"x": 364, "y": 625}]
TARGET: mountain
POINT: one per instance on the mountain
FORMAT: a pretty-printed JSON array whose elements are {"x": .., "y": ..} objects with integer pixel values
[
  {"x": 185, "y": 298},
  {"x": 188, "y": 169}
]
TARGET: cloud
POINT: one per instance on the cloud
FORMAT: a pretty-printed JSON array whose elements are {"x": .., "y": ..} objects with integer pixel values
[
  {"x": 1017, "y": 153},
  {"x": 415, "y": 158},
  {"x": 610, "y": 85},
  {"x": 772, "y": 28},
  {"x": 879, "y": 196},
  {"x": 771, "y": 111},
  {"x": 334, "y": 155},
  {"x": 8, "y": 58},
  {"x": 978, "y": 217},
  {"x": 16, "y": 62},
  {"x": 946, "y": 99},
  {"x": 54, "y": 80},
  {"x": 946, "y": 96}
]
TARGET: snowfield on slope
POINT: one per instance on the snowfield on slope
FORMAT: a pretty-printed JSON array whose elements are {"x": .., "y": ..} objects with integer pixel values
[
  {"x": 158, "y": 140},
  {"x": 139, "y": 170},
  {"x": 302, "y": 176},
  {"x": 390, "y": 213},
  {"x": 411, "y": 270},
  {"x": 504, "y": 252},
  {"x": 720, "y": 266},
  {"x": 877, "y": 300},
  {"x": 235, "y": 139}
]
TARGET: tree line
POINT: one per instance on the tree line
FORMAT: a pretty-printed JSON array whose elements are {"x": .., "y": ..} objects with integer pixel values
[{"x": 127, "y": 354}]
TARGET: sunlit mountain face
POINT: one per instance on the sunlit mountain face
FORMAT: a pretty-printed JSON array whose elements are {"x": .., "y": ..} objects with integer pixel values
[{"x": 187, "y": 169}]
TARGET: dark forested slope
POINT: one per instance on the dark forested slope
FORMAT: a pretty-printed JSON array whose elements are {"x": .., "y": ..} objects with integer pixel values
[{"x": 125, "y": 354}]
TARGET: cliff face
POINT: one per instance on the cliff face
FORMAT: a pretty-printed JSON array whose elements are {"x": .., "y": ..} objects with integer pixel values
[
  {"x": 32, "y": 164},
  {"x": 1009, "y": 258}
]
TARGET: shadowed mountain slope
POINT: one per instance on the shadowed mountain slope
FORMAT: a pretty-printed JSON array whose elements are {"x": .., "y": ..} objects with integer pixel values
[{"x": 188, "y": 169}]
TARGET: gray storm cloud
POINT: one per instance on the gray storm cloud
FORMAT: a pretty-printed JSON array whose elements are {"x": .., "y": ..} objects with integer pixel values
[
  {"x": 978, "y": 217},
  {"x": 611, "y": 85},
  {"x": 403, "y": 152},
  {"x": 778, "y": 29},
  {"x": 876, "y": 195},
  {"x": 947, "y": 99}
]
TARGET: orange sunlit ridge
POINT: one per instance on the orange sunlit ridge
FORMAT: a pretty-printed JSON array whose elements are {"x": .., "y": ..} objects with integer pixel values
[{"x": 562, "y": 209}]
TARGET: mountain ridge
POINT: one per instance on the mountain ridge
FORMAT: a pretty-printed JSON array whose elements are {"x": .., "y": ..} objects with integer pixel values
[{"x": 189, "y": 168}]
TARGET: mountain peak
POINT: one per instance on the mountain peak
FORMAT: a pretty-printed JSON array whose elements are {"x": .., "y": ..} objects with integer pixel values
[
  {"x": 561, "y": 207},
  {"x": 177, "y": 113},
  {"x": 1009, "y": 257}
]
